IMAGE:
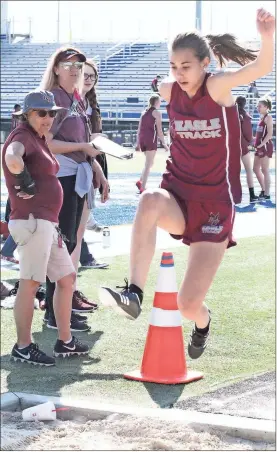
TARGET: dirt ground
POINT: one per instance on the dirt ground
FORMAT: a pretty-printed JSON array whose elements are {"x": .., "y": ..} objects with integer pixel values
[{"x": 117, "y": 432}]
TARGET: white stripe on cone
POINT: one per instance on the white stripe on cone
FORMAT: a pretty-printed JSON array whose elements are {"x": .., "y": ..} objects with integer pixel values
[
  {"x": 165, "y": 318},
  {"x": 166, "y": 280}
]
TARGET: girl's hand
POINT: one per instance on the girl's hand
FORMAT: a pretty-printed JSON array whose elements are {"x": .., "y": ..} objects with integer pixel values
[
  {"x": 91, "y": 149},
  {"x": 265, "y": 23},
  {"x": 105, "y": 190},
  {"x": 22, "y": 194}
]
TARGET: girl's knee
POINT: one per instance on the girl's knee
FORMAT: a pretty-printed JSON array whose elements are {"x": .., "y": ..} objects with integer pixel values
[
  {"x": 151, "y": 200},
  {"x": 67, "y": 281},
  {"x": 29, "y": 286}
]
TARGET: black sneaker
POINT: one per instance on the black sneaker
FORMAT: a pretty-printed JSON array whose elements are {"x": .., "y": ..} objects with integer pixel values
[
  {"x": 74, "y": 316},
  {"x": 32, "y": 355},
  {"x": 254, "y": 199},
  {"x": 261, "y": 195},
  {"x": 267, "y": 197},
  {"x": 75, "y": 325},
  {"x": 75, "y": 347},
  {"x": 125, "y": 302},
  {"x": 197, "y": 343}
]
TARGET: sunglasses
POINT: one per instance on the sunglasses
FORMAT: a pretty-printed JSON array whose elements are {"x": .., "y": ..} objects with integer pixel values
[
  {"x": 44, "y": 113},
  {"x": 90, "y": 77},
  {"x": 68, "y": 65}
]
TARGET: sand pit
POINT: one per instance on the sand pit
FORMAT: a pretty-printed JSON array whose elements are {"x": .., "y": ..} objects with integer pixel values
[{"x": 117, "y": 432}]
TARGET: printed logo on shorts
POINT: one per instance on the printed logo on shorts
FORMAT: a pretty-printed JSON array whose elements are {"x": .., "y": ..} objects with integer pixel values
[{"x": 213, "y": 226}]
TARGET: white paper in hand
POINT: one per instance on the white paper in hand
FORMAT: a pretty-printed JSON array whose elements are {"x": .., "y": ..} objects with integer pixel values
[{"x": 109, "y": 147}]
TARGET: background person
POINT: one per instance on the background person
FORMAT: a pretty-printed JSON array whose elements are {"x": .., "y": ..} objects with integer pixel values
[
  {"x": 36, "y": 198},
  {"x": 246, "y": 140},
  {"x": 92, "y": 110},
  {"x": 15, "y": 118},
  {"x": 149, "y": 130},
  {"x": 69, "y": 140},
  {"x": 264, "y": 147},
  {"x": 154, "y": 84}
]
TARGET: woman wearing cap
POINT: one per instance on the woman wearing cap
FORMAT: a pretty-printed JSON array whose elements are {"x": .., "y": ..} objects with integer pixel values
[
  {"x": 69, "y": 140},
  {"x": 36, "y": 199}
]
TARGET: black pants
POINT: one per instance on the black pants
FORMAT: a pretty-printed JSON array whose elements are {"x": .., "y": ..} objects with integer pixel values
[
  {"x": 69, "y": 221},
  {"x": 8, "y": 210},
  {"x": 86, "y": 256}
]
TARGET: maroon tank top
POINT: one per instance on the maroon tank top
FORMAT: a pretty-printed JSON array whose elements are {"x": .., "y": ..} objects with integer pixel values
[
  {"x": 261, "y": 131},
  {"x": 205, "y": 148},
  {"x": 148, "y": 128}
]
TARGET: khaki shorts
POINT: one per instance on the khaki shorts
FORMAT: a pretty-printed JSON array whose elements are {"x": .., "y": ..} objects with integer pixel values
[{"x": 39, "y": 251}]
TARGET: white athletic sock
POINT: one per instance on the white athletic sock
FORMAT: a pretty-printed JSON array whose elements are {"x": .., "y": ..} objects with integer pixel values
[{"x": 68, "y": 342}]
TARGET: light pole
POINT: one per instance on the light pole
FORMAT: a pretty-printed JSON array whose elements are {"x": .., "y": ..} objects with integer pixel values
[
  {"x": 58, "y": 22},
  {"x": 198, "y": 15}
]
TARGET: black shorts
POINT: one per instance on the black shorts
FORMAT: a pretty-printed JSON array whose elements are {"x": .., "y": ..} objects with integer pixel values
[{"x": 71, "y": 211}]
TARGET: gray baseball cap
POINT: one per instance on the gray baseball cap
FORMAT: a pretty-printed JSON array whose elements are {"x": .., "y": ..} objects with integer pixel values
[{"x": 38, "y": 100}]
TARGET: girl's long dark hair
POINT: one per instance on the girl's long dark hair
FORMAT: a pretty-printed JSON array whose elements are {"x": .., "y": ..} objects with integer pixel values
[
  {"x": 224, "y": 47},
  {"x": 91, "y": 96},
  {"x": 241, "y": 102}
]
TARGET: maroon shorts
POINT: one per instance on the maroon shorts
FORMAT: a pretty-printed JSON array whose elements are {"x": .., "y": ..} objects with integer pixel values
[
  {"x": 148, "y": 145},
  {"x": 265, "y": 151},
  {"x": 207, "y": 221}
]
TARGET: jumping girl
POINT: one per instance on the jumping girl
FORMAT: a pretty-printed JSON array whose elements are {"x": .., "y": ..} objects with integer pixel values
[{"x": 201, "y": 184}]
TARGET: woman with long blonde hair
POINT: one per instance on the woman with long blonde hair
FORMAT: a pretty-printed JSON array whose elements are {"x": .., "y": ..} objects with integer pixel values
[{"x": 69, "y": 139}]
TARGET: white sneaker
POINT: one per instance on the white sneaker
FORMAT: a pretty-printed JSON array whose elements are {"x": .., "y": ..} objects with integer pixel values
[{"x": 95, "y": 227}]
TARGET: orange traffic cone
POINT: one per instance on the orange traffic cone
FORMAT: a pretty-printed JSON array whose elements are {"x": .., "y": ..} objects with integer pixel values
[{"x": 164, "y": 355}]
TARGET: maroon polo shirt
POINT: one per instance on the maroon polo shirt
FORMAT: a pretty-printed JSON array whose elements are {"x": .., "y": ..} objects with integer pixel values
[{"x": 43, "y": 167}]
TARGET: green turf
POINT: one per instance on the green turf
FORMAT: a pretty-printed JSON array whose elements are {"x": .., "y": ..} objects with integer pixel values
[{"x": 242, "y": 341}]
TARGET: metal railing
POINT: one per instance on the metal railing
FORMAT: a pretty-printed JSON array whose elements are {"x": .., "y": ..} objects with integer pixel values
[{"x": 120, "y": 46}]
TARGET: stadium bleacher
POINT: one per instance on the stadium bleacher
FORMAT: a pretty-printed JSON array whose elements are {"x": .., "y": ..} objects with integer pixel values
[{"x": 126, "y": 71}]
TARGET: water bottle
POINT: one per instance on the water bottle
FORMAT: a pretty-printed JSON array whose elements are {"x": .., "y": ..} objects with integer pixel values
[{"x": 106, "y": 237}]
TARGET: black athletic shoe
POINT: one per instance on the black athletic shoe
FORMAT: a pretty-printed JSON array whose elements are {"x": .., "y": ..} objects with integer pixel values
[
  {"x": 74, "y": 316},
  {"x": 75, "y": 347},
  {"x": 254, "y": 199},
  {"x": 32, "y": 355},
  {"x": 125, "y": 302},
  {"x": 197, "y": 343},
  {"x": 261, "y": 195},
  {"x": 75, "y": 325},
  {"x": 266, "y": 197}
]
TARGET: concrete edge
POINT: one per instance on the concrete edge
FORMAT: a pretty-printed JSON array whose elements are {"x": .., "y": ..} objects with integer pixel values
[
  {"x": 9, "y": 402},
  {"x": 245, "y": 428}
]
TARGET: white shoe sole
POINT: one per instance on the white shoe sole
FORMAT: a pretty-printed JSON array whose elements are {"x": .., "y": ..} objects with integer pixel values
[
  {"x": 96, "y": 267},
  {"x": 107, "y": 300},
  {"x": 69, "y": 354},
  {"x": 31, "y": 362}
]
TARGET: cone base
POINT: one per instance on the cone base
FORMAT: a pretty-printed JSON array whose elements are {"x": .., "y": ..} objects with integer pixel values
[{"x": 189, "y": 377}]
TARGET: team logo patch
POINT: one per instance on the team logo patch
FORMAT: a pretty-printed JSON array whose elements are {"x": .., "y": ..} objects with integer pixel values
[{"x": 213, "y": 226}]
